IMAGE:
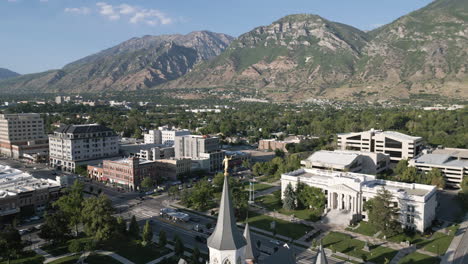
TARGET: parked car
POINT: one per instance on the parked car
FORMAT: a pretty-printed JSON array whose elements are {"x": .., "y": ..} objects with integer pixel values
[{"x": 275, "y": 242}]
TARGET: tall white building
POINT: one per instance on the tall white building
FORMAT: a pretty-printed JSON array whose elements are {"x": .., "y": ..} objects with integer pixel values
[
  {"x": 74, "y": 145},
  {"x": 203, "y": 150},
  {"x": 347, "y": 193},
  {"x": 22, "y": 135},
  {"x": 164, "y": 136},
  {"x": 398, "y": 145}
]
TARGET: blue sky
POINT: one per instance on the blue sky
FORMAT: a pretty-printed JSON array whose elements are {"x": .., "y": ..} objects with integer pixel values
[{"x": 37, "y": 35}]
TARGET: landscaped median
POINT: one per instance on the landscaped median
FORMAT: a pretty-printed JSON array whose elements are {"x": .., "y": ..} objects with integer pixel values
[
  {"x": 345, "y": 244},
  {"x": 437, "y": 243}
]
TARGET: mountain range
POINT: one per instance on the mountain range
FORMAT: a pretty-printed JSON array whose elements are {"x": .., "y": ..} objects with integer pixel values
[
  {"x": 295, "y": 58},
  {"x": 6, "y": 73}
]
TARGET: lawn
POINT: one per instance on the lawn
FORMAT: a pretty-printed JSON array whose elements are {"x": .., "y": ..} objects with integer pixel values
[
  {"x": 134, "y": 251},
  {"x": 438, "y": 243},
  {"x": 28, "y": 257},
  {"x": 272, "y": 203},
  {"x": 67, "y": 260},
  {"x": 99, "y": 259},
  {"x": 418, "y": 258},
  {"x": 364, "y": 228},
  {"x": 258, "y": 187},
  {"x": 353, "y": 247},
  {"x": 62, "y": 248},
  {"x": 284, "y": 228}
]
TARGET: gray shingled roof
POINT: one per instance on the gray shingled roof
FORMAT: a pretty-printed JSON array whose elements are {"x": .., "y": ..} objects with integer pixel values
[
  {"x": 321, "y": 256},
  {"x": 226, "y": 236},
  {"x": 251, "y": 251}
]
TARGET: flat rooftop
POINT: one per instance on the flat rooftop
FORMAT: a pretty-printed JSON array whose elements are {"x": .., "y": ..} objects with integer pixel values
[
  {"x": 441, "y": 160},
  {"x": 14, "y": 181},
  {"x": 340, "y": 158},
  {"x": 393, "y": 134},
  {"x": 455, "y": 152}
]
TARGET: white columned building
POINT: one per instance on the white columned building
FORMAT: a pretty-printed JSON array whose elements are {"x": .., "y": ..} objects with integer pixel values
[{"x": 347, "y": 192}]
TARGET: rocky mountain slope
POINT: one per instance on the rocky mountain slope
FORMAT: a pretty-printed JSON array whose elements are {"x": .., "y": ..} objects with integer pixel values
[
  {"x": 297, "y": 57},
  {"x": 134, "y": 64},
  {"x": 5, "y": 74},
  {"x": 300, "y": 56}
]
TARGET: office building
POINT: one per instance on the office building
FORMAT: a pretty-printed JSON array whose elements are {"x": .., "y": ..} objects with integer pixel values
[
  {"x": 21, "y": 193},
  {"x": 347, "y": 193},
  {"x": 203, "y": 150},
  {"x": 274, "y": 144},
  {"x": 23, "y": 136},
  {"x": 149, "y": 152},
  {"x": 173, "y": 169},
  {"x": 74, "y": 145},
  {"x": 348, "y": 160},
  {"x": 398, "y": 145},
  {"x": 125, "y": 172},
  {"x": 453, "y": 168},
  {"x": 164, "y": 136}
]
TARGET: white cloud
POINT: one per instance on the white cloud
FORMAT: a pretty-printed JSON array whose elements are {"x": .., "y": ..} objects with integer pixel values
[
  {"x": 78, "y": 10},
  {"x": 108, "y": 11},
  {"x": 134, "y": 14}
]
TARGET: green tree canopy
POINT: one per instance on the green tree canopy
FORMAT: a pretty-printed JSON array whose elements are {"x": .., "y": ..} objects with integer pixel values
[
  {"x": 97, "y": 218},
  {"x": 382, "y": 212}
]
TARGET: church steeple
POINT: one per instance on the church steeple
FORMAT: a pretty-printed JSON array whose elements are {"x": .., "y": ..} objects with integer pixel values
[
  {"x": 226, "y": 244},
  {"x": 321, "y": 256},
  {"x": 226, "y": 236},
  {"x": 251, "y": 252}
]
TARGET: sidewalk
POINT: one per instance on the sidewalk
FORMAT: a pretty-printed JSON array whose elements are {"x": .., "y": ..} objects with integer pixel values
[{"x": 449, "y": 256}]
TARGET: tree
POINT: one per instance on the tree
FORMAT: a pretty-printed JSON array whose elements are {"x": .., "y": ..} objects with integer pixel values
[
  {"x": 147, "y": 183},
  {"x": 81, "y": 170},
  {"x": 147, "y": 233},
  {"x": 178, "y": 246},
  {"x": 75, "y": 246},
  {"x": 401, "y": 166},
  {"x": 121, "y": 226},
  {"x": 71, "y": 204},
  {"x": 201, "y": 195},
  {"x": 410, "y": 175},
  {"x": 134, "y": 228},
  {"x": 289, "y": 200},
  {"x": 162, "y": 239},
  {"x": 311, "y": 197},
  {"x": 55, "y": 227},
  {"x": 218, "y": 181},
  {"x": 435, "y": 177},
  {"x": 383, "y": 214},
  {"x": 173, "y": 191},
  {"x": 97, "y": 218},
  {"x": 246, "y": 164},
  {"x": 11, "y": 245},
  {"x": 279, "y": 153}
]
